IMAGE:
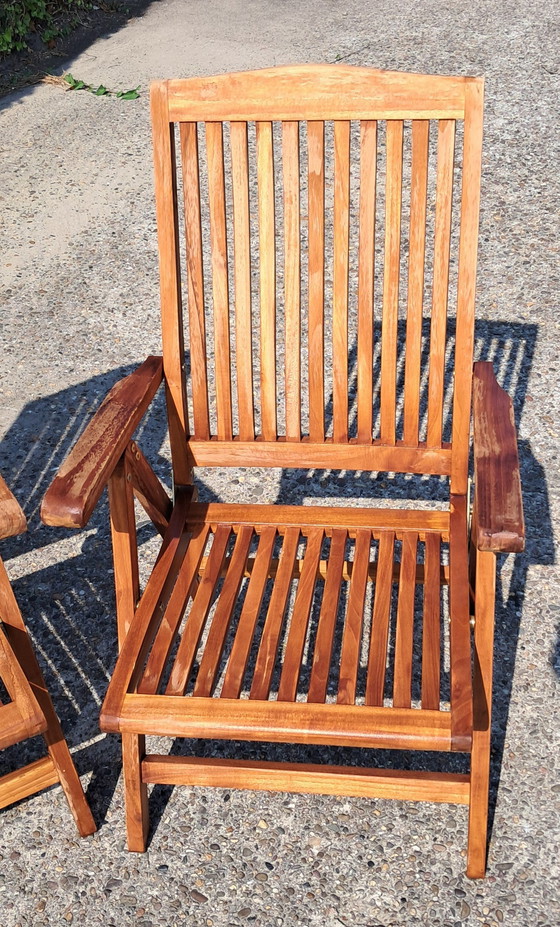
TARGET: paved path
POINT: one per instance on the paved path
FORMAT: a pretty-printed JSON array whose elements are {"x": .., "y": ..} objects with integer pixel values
[{"x": 79, "y": 305}]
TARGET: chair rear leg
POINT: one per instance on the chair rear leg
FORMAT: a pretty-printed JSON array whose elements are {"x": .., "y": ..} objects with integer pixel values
[
  {"x": 485, "y": 594},
  {"x": 135, "y": 792}
]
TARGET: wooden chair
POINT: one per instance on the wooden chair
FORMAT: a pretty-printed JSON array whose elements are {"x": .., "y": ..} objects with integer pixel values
[
  {"x": 26, "y": 708},
  {"x": 310, "y": 624}
]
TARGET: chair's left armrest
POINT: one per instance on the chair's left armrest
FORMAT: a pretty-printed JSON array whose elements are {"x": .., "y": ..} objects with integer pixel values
[
  {"x": 12, "y": 519},
  {"x": 75, "y": 490},
  {"x": 498, "y": 508}
]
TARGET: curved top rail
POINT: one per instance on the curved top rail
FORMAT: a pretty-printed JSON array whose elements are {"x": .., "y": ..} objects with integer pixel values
[{"x": 321, "y": 91}]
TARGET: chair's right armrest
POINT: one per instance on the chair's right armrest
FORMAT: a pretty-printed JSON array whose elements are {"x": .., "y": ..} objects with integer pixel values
[
  {"x": 75, "y": 490},
  {"x": 12, "y": 519},
  {"x": 498, "y": 511}
]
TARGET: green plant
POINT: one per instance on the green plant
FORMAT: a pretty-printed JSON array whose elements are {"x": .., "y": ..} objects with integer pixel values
[
  {"x": 18, "y": 18},
  {"x": 100, "y": 91}
]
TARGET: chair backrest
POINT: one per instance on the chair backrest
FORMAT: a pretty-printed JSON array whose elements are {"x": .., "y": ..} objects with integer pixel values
[{"x": 327, "y": 226}]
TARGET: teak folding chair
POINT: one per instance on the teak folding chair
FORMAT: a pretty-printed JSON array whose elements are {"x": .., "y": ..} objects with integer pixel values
[
  {"x": 26, "y": 709},
  {"x": 352, "y": 626}
]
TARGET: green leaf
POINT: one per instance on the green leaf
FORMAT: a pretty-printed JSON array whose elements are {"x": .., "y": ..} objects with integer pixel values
[
  {"x": 101, "y": 91},
  {"x": 129, "y": 94},
  {"x": 78, "y": 85}
]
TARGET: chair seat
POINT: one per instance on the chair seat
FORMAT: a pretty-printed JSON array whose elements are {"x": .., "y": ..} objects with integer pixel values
[{"x": 322, "y": 624}]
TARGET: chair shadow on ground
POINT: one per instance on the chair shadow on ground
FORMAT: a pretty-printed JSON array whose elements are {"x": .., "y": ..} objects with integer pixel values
[{"x": 63, "y": 580}]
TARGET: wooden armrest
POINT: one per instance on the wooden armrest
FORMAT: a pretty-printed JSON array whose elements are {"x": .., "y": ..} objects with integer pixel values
[
  {"x": 75, "y": 490},
  {"x": 499, "y": 524},
  {"x": 12, "y": 519}
]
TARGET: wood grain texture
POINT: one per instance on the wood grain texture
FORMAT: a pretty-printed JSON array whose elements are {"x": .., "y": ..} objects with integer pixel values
[
  {"x": 307, "y": 778},
  {"x": 268, "y": 647},
  {"x": 223, "y": 615},
  {"x": 402, "y": 685},
  {"x": 459, "y": 627},
  {"x": 484, "y": 609},
  {"x": 318, "y": 516},
  {"x": 198, "y": 614},
  {"x": 75, "y": 490},
  {"x": 366, "y": 266},
  {"x": 442, "y": 241},
  {"x": 242, "y": 275},
  {"x": 220, "y": 285},
  {"x": 431, "y": 624},
  {"x": 167, "y": 215},
  {"x": 416, "y": 269},
  {"x": 282, "y": 722},
  {"x": 29, "y": 713},
  {"x": 12, "y": 519},
  {"x": 292, "y": 278},
  {"x": 352, "y": 635},
  {"x": 316, "y": 285},
  {"x": 148, "y": 489},
  {"x": 291, "y": 663},
  {"x": 322, "y": 454},
  {"x": 379, "y": 637},
  {"x": 466, "y": 283},
  {"x": 320, "y": 92},
  {"x": 391, "y": 280},
  {"x": 340, "y": 279},
  {"x": 267, "y": 260},
  {"x": 195, "y": 278},
  {"x": 324, "y": 642},
  {"x": 500, "y": 523}
]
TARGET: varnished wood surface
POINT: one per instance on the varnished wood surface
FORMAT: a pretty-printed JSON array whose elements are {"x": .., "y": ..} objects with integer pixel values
[
  {"x": 12, "y": 519},
  {"x": 308, "y": 778},
  {"x": 75, "y": 490},
  {"x": 299, "y": 92},
  {"x": 500, "y": 523}
]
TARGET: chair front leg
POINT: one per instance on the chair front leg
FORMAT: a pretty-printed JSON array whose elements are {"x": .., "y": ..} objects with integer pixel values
[
  {"x": 127, "y": 589},
  {"x": 484, "y": 606}
]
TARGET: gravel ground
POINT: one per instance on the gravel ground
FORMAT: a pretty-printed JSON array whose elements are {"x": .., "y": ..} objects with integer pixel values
[{"x": 80, "y": 307}]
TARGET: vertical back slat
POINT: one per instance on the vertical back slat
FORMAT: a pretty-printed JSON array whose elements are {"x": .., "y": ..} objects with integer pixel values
[
  {"x": 470, "y": 204},
  {"x": 242, "y": 278},
  {"x": 316, "y": 287},
  {"x": 393, "y": 201},
  {"x": 220, "y": 295},
  {"x": 165, "y": 178},
  {"x": 267, "y": 257},
  {"x": 442, "y": 240},
  {"x": 340, "y": 279},
  {"x": 402, "y": 687},
  {"x": 195, "y": 278},
  {"x": 416, "y": 261},
  {"x": 366, "y": 262},
  {"x": 292, "y": 279},
  {"x": 431, "y": 625}
]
